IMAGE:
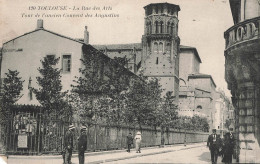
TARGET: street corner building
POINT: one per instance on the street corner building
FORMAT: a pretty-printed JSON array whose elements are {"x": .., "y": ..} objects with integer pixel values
[
  {"x": 242, "y": 57},
  {"x": 159, "y": 54}
]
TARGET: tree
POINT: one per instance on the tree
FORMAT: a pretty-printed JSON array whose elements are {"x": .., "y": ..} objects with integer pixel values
[
  {"x": 99, "y": 87},
  {"x": 167, "y": 114},
  {"x": 143, "y": 98},
  {"x": 49, "y": 94},
  {"x": 11, "y": 92},
  {"x": 170, "y": 110},
  {"x": 204, "y": 124},
  {"x": 90, "y": 85},
  {"x": 119, "y": 80},
  {"x": 154, "y": 99},
  {"x": 196, "y": 123},
  {"x": 136, "y": 102}
]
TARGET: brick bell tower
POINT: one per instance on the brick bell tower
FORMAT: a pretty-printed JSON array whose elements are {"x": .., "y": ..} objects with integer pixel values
[{"x": 160, "y": 45}]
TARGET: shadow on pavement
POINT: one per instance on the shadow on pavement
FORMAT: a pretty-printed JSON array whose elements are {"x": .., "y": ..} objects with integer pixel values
[{"x": 205, "y": 156}]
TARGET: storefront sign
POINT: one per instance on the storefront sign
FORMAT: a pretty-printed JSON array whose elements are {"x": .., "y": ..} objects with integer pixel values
[
  {"x": 243, "y": 32},
  {"x": 22, "y": 141}
]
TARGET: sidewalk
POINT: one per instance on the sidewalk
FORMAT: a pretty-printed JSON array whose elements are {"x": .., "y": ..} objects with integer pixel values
[
  {"x": 144, "y": 152},
  {"x": 109, "y": 156}
]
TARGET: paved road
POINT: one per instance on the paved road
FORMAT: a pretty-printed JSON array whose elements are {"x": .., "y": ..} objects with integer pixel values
[
  {"x": 195, "y": 155},
  {"x": 192, "y": 153}
]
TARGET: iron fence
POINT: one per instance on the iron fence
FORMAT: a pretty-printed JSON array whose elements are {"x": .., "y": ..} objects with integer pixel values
[{"x": 42, "y": 136}]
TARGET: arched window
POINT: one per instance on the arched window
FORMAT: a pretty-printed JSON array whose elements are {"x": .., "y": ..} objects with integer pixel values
[
  {"x": 161, "y": 26},
  {"x": 168, "y": 27},
  {"x": 149, "y": 48},
  {"x": 199, "y": 107},
  {"x": 168, "y": 48},
  {"x": 168, "y": 10},
  {"x": 150, "y": 28},
  {"x": 147, "y": 28},
  {"x": 155, "y": 47},
  {"x": 160, "y": 9},
  {"x": 160, "y": 47},
  {"x": 156, "y": 27},
  {"x": 172, "y": 25}
]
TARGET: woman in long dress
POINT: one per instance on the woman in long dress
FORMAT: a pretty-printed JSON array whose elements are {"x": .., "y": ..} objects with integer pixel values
[
  {"x": 227, "y": 149},
  {"x": 138, "y": 139}
]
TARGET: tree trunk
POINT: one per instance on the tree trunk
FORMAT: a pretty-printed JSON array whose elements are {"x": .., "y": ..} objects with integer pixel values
[{"x": 162, "y": 136}]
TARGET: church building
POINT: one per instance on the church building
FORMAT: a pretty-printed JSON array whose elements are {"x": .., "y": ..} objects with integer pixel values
[{"x": 160, "y": 55}]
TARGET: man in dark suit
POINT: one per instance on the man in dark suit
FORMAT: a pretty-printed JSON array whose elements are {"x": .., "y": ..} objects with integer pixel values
[
  {"x": 214, "y": 143},
  {"x": 68, "y": 144},
  {"x": 129, "y": 142},
  {"x": 82, "y": 145}
]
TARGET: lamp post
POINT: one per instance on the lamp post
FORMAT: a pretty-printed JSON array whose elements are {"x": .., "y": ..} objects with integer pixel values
[{"x": 185, "y": 121}]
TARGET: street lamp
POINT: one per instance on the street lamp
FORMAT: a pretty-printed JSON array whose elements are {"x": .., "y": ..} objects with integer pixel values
[{"x": 185, "y": 121}]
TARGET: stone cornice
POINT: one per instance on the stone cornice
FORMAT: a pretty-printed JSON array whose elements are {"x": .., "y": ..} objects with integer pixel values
[
  {"x": 242, "y": 32},
  {"x": 160, "y": 36}
]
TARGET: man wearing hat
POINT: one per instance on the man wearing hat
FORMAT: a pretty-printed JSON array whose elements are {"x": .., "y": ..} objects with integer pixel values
[
  {"x": 214, "y": 144},
  {"x": 68, "y": 144},
  {"x": 129, "y": 140},
  {"x": 82, "y": 144}
]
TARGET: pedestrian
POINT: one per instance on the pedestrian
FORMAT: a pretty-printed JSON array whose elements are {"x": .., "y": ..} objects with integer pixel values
[
  {"x": 68, "y": 144},
  {"x": 214, "y": 144},
  {"x": 232, "y": 139},
  {"x": 138, "y": 139},
  {"x": 228, "y": 147},
  {"x": 82, "y": 144},
  {"x": 129, "y": 142}
]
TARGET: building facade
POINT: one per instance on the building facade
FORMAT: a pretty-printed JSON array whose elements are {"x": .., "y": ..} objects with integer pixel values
[
  {"x": 177, "y": 66},
  {"x": 25, "y": 53},
  {"x": 224, "y": 113},
  {"x": 242, "y": 73},
  {"x": 197, "y": 90}
]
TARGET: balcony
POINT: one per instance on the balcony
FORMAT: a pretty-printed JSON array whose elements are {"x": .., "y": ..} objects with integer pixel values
[{"x": 243, "y": 35}]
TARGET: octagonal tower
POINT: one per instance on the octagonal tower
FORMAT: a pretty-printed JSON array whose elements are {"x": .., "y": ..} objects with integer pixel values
[{"x": 160, "y": 45}]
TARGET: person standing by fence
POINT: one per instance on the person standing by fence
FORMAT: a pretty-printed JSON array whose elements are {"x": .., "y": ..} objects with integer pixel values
[
  {"x": 129, "y": 142},
  {"x": 68, "y": 144},
  {"x": 138, "y": 140},
  {"x": 82, "y": 144}
]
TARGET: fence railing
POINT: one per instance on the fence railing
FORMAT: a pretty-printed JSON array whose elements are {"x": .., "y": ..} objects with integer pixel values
[{"x": 47, "y": 137}]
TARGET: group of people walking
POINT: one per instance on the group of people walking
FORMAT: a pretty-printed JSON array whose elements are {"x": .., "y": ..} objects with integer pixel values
[
  {"x": 82, "y": 144},
  {"x": 217, "y": 146},
  {"x": 138, "y": 139},
  {"x": 221, "y": 147}
]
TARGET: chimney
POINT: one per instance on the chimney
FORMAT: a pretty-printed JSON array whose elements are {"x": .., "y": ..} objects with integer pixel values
[
  {"x": 39, "y": 23},
  {"x": 86, "y": 35}
]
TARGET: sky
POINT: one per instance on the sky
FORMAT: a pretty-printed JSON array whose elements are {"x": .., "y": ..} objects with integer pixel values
[{"x": 202, "y": 24}]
